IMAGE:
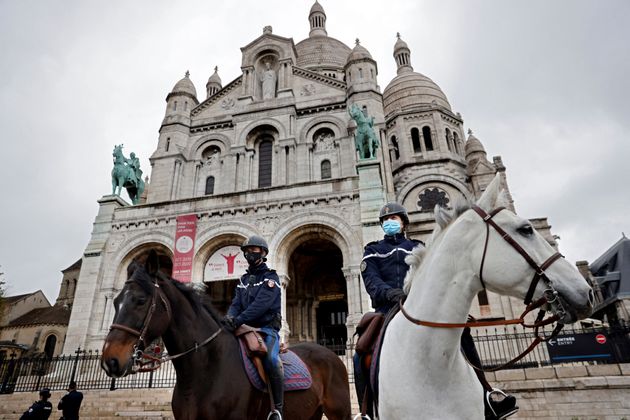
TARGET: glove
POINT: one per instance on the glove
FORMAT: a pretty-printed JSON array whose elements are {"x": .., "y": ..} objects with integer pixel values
[
  {"x": 229, "y": 323},
  {"x": 395, "y": 295}
]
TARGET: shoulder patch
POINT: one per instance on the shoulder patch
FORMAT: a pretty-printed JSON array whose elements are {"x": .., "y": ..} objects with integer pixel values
[
  {"x": 271, "y": 283},
  {"x": 363, "y": 266}
]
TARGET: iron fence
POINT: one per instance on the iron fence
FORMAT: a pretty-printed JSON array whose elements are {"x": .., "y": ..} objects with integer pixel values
[{"x": 494, "y": 346}]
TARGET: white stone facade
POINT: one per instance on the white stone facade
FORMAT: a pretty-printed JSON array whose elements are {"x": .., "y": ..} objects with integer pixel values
[{"x": 272, "y": 153}]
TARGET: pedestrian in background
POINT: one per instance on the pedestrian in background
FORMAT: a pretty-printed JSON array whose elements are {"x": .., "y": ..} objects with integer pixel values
[{"x": 70, "y": 404}]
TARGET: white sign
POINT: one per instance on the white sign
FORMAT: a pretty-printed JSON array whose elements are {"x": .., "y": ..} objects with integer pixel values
[{"x": 226, "y": 263}]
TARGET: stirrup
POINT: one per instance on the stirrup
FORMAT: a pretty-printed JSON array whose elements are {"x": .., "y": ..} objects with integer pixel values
[
  {"x": 361, "y": 417},
  {"x": 489, "y": 404},
  {"x": 274, "y": 412}
]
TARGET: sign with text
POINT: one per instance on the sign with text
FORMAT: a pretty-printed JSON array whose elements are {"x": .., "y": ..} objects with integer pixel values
[
  {"x": 226, "y": 263},
  {"x": 576, "y": 347},
  {"x": 184, "y": 247}
]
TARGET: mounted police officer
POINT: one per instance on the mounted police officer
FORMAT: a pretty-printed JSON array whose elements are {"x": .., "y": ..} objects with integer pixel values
[
  {"x": 257, "y": 304},
  {"x": 383, "y": 269},
  {"x": 41, "y": 409}
]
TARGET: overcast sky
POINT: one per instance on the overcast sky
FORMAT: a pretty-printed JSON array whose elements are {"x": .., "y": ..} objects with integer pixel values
[{"x": 544, "y": 84}]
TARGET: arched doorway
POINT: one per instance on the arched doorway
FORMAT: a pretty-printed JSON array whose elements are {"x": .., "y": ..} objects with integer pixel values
[
  {"x": 223, "y": 265},
  {"x": 316, "y": 296},
  {"x": 49, "y": 347}
]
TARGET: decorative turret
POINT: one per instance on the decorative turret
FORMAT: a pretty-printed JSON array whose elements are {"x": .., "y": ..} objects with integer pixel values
[
  {"x": 182, "y": 98},
  {"x": 214, "y": 83},
  {"x": 402, "y": 55},
  {"x": 361, "y": 70},
  {"x": 317, "y": 18},
  {"x": 474, "y": 150}
]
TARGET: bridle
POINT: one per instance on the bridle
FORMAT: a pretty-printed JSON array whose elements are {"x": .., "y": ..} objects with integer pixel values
[
  {"x": 145, "y": 362},
  {"x": 550, "y": 295}
]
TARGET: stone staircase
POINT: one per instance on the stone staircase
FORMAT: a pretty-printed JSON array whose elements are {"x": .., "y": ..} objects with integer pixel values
[{"x": 136, "y": 404}]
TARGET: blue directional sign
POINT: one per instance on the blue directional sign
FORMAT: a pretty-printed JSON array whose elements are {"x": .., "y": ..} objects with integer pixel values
[{"x": 580, "y": 347}]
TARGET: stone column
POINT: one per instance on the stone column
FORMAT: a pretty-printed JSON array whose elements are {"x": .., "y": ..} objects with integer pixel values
[
  {"x": 358, "y": 299},
  {"x": 91, "y": 275},
  {"x": 285, "y": 331}
]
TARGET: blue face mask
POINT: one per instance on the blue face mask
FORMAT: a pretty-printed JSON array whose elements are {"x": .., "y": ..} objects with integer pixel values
[{"x": 391, "y": 227}]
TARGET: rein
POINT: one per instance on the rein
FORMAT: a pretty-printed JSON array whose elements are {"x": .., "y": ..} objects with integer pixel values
[
  {"x": 550, "y": 295},
  {"x": 143, "y": 361}
]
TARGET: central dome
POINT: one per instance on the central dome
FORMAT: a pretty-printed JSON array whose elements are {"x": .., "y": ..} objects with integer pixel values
[
  {"x": 413, "y": 90},
  {"x": 321, "y": 51}
]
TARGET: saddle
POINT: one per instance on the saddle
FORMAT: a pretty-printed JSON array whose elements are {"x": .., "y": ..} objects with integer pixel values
[
  {"x": 368, "y": 330},
  {"x": 253, "y": 349}
]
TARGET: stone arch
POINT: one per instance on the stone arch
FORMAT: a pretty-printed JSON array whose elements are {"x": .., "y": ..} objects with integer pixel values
[
  {"x": 297, "y": 229},
  {"x": 220, "y": 140},
  {"x": 253, "y": 56},
  {"x": 213, "y": 238},
  {"x": 280, "y": 128},
  {"x": 334, "y": 123},
  {"x": 133, "y": 248}
]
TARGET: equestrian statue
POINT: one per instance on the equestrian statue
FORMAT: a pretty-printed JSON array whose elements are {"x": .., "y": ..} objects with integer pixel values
[
  {"x": 365, "y": 139},
  {"x": 127, "y": 173}
]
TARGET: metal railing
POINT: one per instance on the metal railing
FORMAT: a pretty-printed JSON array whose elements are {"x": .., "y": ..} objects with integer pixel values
[{"x": 494, "y": 347}]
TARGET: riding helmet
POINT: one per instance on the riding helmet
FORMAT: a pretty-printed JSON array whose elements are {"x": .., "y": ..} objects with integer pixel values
[
  {"x": 392, "y": 208},
  {"x": 44, "y": 392},
  {"x": 255, "y": 240}
]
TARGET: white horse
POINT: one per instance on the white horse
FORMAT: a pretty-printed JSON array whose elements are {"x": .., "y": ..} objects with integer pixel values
[{"x": 423, "y": 374}]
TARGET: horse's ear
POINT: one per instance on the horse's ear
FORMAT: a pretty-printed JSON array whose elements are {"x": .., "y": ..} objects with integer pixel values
[
  {"x": 489, "y": 200},
  {"x": 131, "y": 268},
  {"x": 152, "y": 265}
]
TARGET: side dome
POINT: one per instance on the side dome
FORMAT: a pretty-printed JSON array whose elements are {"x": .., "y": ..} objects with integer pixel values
[
  {"x": 413, "y": 90},
  {"x": 359, "y": 52},
  {"x": 185, "y": 85},
  {"x": 318, "y": 51},
  {"x": 473, "y": 145}
]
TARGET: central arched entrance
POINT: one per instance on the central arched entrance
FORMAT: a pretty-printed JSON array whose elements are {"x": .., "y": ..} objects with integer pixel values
[{"x": 316, "y": 296}]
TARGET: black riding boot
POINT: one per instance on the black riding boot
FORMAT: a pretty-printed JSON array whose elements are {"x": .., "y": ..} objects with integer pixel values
[
  {"x": 276, "y": 382},
  {"x": 495, "y": 409}
]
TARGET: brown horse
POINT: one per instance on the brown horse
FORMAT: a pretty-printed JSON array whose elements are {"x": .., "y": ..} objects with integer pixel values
[{"x": 211, "y": 381}]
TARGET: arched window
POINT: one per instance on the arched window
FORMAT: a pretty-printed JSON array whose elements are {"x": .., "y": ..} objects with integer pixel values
[
  {"x": 415, "y": 140},
  {"x": 168, "y": 143},
  {"x": 426, "y": 133},
  {"x": 264, "y": 163},
  {"x": 175, "y": 106},
  {"x": 326, "y": 171},
  {"x": 396, "y": 149},
  {"x": 186, "y": 106},
  {"x": 458, "y": 148},
  {"x": 360, "y": 73},
  {"x": 210, "y": 185},
  {"x": 448, "y": 140},
  {"x": 49, "y": 347}
]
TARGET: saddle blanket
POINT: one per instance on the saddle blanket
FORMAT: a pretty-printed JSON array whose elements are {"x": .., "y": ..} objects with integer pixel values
[{"x": 296, "y": 374}]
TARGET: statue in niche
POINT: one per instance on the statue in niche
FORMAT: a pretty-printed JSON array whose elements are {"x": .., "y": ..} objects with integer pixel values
[
  {"x": 324, "y": 140},
  {"x": 268, "y": 80}
]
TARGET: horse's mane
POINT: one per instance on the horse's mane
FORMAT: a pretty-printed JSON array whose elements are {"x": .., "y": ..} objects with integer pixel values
[
  {"x": 444, "y": 218},
  {"x": 195, "y": 294}
]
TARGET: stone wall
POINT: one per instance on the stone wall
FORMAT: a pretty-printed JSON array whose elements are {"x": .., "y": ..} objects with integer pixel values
[{"x": 598, "y": 392}]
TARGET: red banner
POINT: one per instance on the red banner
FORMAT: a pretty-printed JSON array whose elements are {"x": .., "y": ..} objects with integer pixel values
[{"x": 184, "y": 247}]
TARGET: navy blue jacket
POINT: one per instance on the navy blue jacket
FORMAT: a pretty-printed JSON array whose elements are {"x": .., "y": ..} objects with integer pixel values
[
  {"x": 257, "y": 298},
  {"x": 40, "y": 410},
  {"x": 70, "y": 405},
  {"x": 383, "y": 267}
]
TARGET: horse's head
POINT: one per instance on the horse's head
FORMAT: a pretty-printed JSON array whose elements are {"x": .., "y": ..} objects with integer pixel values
[
  {"x": 142, "y": 315},
  {"x": 503, "y": 269}
]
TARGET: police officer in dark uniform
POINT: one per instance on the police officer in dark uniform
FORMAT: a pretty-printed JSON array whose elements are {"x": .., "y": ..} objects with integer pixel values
[
  {"x": 70, "y": 404},
  {"x": 383, "y": 269},
  {"x": 257, "y": 304},
  {"x": 41, "y": 409}
]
